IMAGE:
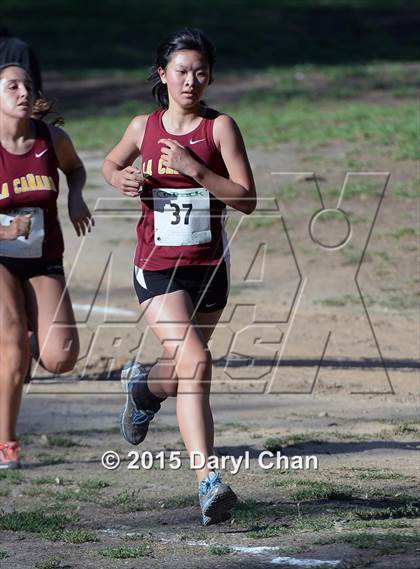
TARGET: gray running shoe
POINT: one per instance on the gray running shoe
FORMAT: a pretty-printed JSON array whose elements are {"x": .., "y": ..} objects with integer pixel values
[
  {"x": 134, "y": 422},
  {"x": 216, "y": 499}
]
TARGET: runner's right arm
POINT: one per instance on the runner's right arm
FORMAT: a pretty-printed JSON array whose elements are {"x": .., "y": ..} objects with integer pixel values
[{"x": 117, "y": 167}]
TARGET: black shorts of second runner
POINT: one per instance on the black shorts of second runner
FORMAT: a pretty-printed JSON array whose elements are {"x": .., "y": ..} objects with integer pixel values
[
  {"x": 25, "y": 269},
  {"x": 207, "y": 285}
]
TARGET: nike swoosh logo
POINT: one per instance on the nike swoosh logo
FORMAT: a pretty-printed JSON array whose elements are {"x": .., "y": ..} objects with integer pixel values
[
  {"x": 195, "y": 141},
  {"x": 41, "y": 153}
]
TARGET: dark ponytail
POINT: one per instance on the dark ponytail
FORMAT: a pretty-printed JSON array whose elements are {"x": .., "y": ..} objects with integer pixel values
[{"x": 187, "y": 38}]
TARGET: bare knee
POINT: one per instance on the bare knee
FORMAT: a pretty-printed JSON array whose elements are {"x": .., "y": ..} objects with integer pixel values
[
  {"x": 194, "y": 366},
  {"x": 60, "y": 357}
]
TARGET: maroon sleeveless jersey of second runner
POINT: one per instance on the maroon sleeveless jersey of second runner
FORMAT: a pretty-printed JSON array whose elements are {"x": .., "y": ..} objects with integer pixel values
[
  {"x": 29, "y": 185},
  {"x": 181, "y": 223}
]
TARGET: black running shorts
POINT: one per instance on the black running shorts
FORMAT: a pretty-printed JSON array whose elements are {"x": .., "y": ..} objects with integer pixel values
[
  {"x": 207, "y": 285},
  {"x": 25, "y": 269}
]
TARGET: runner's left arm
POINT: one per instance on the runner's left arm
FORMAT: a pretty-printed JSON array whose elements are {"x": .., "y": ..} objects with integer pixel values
[
  {"x": 239, "y": 190},
  {"x": 72, "y": 167}
]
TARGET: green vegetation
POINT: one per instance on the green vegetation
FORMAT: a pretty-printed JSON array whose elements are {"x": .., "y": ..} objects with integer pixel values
[
  {"x": 94, "y": 484},
  {"x": 42, "y": 480},
  {"x": 3, "y": 554},
  {"x": 329, "y": 29},
  {"x": 127, "y": 501},
  {"x": 219, "y": 550},
  {"x": 61, "y": 441},
  {"x": 406, "y": 232},
  {"x": 13, "y": 476},
  {"x": 386, "y": 543},
  {"x": 252, "y": 511},
  {"x": 125, "y": 552},
  {"x": 52, "y": 563},
  {"x": 266, "y": 123},
  {"x": 34, "y": 521},
  {"x": 70, "y": 536},
  {"x": 262, "y": 532},
  {"x": 377, "y": 474},
  {"x": 319, "y": 490}
]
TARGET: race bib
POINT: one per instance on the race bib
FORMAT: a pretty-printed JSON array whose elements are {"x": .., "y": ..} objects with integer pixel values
[
  {"x": 21, "y": 247},
  {"x": 182, "y": 217}
]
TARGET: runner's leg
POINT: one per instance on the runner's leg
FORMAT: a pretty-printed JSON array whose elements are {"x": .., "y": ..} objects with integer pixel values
[
  {"x": 52, "y": 318},
  {"x": 171, "y": 318},
  {"x": 14, "y": 351}
]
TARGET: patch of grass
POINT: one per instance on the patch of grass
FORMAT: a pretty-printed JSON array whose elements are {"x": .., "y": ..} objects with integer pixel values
[
  {"x": 49, "y": 457},
  {"x": 125, "y": 552},
  {"x": 321, "y": 123},
  {"x": 34, "y": 521},
  {"x": 41, "y": 480},
  {"x": 35, "y": 492},
  {"x": 409, "y": 510},
  {"x": 239, "y": 288},
  {"x": 313, "y": 523},
  {"x": 3, "y": 554},
  {"x": 378, "y": 474},
  {"x": 352, "y": 256},
  {"x": 387, "y": 542},
  {"x": 94, "y": 484},
  {"x": 383, "y": 255},
  {"x": 78, "y": 494},
  {"x": 274, "y": 444},
  {"x": 320, "y": 490},
  {"x": 405, "y": 231},
  {"x": 219, "y": 550},
  {"x": 257, "y": 221},
  {"x": 70, "y": 536},
  {"x": 127, "y": 501},
  {"x": 380, "y": 524},
  {"x": 250, "y": 511},
  {"x": 4, "y": 492},
  {"x": 359, "y": 189},
  {"x": 61, "y": 441},
  {"x": 406, "y": 428},
  {"x": 262, "y": 532},
  {"x": 52, "y": 563},
  {"x": 410, "y": 190},
  {"x": 340, "y": 300},
  {"x": 290, "y": 191},
  {"x": 13, "y": 476}
]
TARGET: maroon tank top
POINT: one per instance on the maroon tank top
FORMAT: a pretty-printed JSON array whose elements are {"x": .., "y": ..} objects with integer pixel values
[
  {"x": 29, "y": 184},
  {"x": 181, "y": 223}
]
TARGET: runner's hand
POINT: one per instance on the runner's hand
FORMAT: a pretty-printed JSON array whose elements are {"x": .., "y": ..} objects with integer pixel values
[
  {"x": 129, "y": 181},
  {"x": 20, "y": 226},
  {"x": 177, "y": 157},
  {"x": 80, "y": 215}
]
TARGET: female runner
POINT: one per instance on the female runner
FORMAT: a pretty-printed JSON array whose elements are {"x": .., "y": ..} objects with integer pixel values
[
  {"x": 194, "y": 163},
  {"x": 32, "y": 287}
]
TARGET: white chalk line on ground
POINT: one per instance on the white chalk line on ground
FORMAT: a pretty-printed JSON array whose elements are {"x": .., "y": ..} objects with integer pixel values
[
  {"x": 303, "y": 562},
  {"x": 261, "y": 550},
  {"x": 104, "y": 310}
]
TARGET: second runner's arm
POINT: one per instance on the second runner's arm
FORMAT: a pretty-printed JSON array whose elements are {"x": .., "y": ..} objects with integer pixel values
[{"x": 72, "y": 167}]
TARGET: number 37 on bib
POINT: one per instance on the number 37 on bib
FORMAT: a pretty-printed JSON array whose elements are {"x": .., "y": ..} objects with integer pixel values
[{"x": 181, "y": 217}]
